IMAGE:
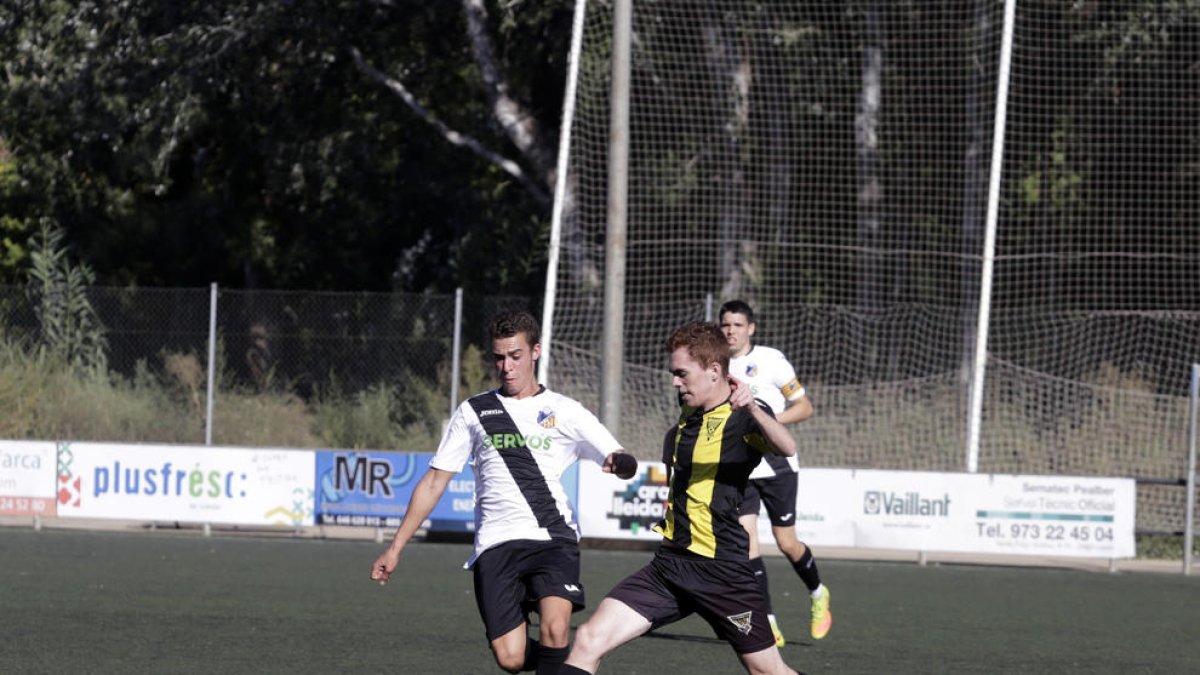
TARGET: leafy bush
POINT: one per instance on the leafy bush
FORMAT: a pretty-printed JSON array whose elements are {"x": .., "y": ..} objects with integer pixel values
[
  {"x": 44, "y": 397},
  {"x": 406, "y": 415},
  {"x": 70, "y": 330}
]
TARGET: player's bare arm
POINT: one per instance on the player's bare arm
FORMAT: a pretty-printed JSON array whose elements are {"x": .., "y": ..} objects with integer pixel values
[
  {"x": 796, "y": 411},
  {"x": 424, "y": 498}
]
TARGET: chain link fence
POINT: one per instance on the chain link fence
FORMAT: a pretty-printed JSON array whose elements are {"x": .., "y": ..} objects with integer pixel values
[{"x": 301, "y": 349}]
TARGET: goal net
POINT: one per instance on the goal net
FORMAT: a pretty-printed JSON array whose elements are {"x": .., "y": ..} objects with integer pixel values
[{"x": 829, "y": 164}]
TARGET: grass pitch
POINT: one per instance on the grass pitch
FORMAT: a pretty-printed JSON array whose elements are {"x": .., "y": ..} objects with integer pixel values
[{"x": 130, "y": 602}]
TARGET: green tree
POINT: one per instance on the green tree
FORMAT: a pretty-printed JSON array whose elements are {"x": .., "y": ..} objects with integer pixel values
[
  {"x": 180, "y": 143},
  {"x": 12, "y": 252}
]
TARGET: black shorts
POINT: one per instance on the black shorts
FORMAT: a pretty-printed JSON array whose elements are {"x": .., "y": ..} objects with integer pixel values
[
  {"x": 723, "y": 592},
  {"x": 777, "y": 493},
  {"x": 512, "y": 577}
]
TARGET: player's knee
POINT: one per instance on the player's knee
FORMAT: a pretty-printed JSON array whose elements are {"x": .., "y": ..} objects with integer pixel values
[
  {"x": 555, "y": 632},
  {"x": 587, "y": 642},
  {"x": 509, "y": 659},
  {"x": 508, "y": 663}
]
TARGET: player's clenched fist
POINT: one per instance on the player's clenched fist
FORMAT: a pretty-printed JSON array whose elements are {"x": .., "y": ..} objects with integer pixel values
[
  {"x": 621, "y": 464},
  {"x": 739, "y": 394},
  {"x": 384, "y": 565}
]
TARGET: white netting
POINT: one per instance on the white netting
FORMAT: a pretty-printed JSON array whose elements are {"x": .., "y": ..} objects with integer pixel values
[{"x": 828, "y": 163}]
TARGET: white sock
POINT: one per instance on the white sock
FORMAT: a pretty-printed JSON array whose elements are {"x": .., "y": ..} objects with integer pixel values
[{"x": 819, "y": 592}]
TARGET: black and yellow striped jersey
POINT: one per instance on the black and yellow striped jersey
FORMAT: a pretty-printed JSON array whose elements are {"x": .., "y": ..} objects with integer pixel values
[{"x": 710, "y": 455}]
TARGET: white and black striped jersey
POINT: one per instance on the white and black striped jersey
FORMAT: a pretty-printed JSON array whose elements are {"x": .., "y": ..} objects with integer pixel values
[{"x": 519, "y": 449}]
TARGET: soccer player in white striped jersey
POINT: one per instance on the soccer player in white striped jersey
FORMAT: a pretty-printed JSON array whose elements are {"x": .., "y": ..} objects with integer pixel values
[
  {"x": 519, "y": 438},
  {"x": 773, "y": 484}
]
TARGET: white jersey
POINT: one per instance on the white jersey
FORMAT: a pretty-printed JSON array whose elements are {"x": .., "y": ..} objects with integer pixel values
[
  {"x": 773, "y": 381},
  {"x": 518, "y": 469}
]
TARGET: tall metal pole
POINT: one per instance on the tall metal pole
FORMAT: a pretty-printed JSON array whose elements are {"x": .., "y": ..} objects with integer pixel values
[
  {"x": 1189, "y": 526},
  {"x": 975, "y": 419},
  {"x": 456, "y": 357},
  {"x": 618, "y": 208},
  {"x": 212, "y": 363}
]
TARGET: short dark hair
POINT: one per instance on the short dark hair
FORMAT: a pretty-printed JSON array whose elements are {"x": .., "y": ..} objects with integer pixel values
[
  {"x": 704, "y": 341},
  {"x": 508, "y": 324},
  {"x": 737, "y": 307}
]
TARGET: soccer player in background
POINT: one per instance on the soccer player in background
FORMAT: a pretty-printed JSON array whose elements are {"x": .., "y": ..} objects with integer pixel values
[
  {"x": 519, "y": 439},
  {"x": 774, "y": 483},
  {"x": 702, "y": 561}
]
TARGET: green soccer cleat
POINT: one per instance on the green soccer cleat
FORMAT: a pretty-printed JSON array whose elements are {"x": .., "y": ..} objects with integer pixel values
[
  {"x": 822, "y": 619},
  {"x": 779, "y": 641}
]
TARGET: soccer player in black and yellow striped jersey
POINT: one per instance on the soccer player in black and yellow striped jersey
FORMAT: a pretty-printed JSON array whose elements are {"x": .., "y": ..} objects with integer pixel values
[
  {"x": 702, "y": 564},
  {"x": 775, "y": 483}
]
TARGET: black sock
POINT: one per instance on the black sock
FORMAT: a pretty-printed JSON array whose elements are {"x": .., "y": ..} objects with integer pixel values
[
  {"x": 572, "y": 670},
  {"x": 550, "y": 659},
  {"x": 760, "y": 575},
  {"x": 532, "y": 651},
  {"x": 806, "y": 567}
]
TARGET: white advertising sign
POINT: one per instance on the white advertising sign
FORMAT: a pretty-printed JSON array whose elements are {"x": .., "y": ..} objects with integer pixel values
[
  {"x": 974, "y": 513},
  {"x": 186, "y": 483},
  {"x": 611, "y": 508},
  {"x": 821, "y": 510},
  {"x": 27, "y": 478},
  {"x": 908, "y": 510},
  {"x": 1054, "y": 515}
]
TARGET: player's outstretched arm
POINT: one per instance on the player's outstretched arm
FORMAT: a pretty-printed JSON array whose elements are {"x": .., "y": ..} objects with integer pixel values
[
  {"x": 621, "y": 463},
  {"x": 425, "y": 496}
]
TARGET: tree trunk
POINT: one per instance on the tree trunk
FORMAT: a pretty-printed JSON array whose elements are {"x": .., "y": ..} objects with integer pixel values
[
  {"x": 777, "y": 141},
  {"x": 518, "y": 123},
  {"x": 871, "y": 275},
  {"x": 974, "y": 195},
  {"x": 732, "y": 72}
]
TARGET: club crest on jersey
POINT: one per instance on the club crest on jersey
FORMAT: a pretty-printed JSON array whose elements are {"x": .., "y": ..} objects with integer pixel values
[
  {"x": 751, "y": 369},
  {"x": 711, "y": 426},
  {"x": 741, "y": 622},
  {"x": 546, "y": 418}
]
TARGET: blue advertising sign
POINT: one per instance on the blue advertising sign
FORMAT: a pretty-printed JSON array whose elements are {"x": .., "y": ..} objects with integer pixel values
[{"x": 372, "y": 489}]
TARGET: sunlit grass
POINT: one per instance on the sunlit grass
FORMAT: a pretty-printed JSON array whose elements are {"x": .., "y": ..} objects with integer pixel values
[{"x": 165, "y": 402}]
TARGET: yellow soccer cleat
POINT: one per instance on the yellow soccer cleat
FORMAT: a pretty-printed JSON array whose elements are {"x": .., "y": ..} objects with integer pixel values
[
  {"x": 779, "y": 641},
  {"x": 822, "y": 619}
]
